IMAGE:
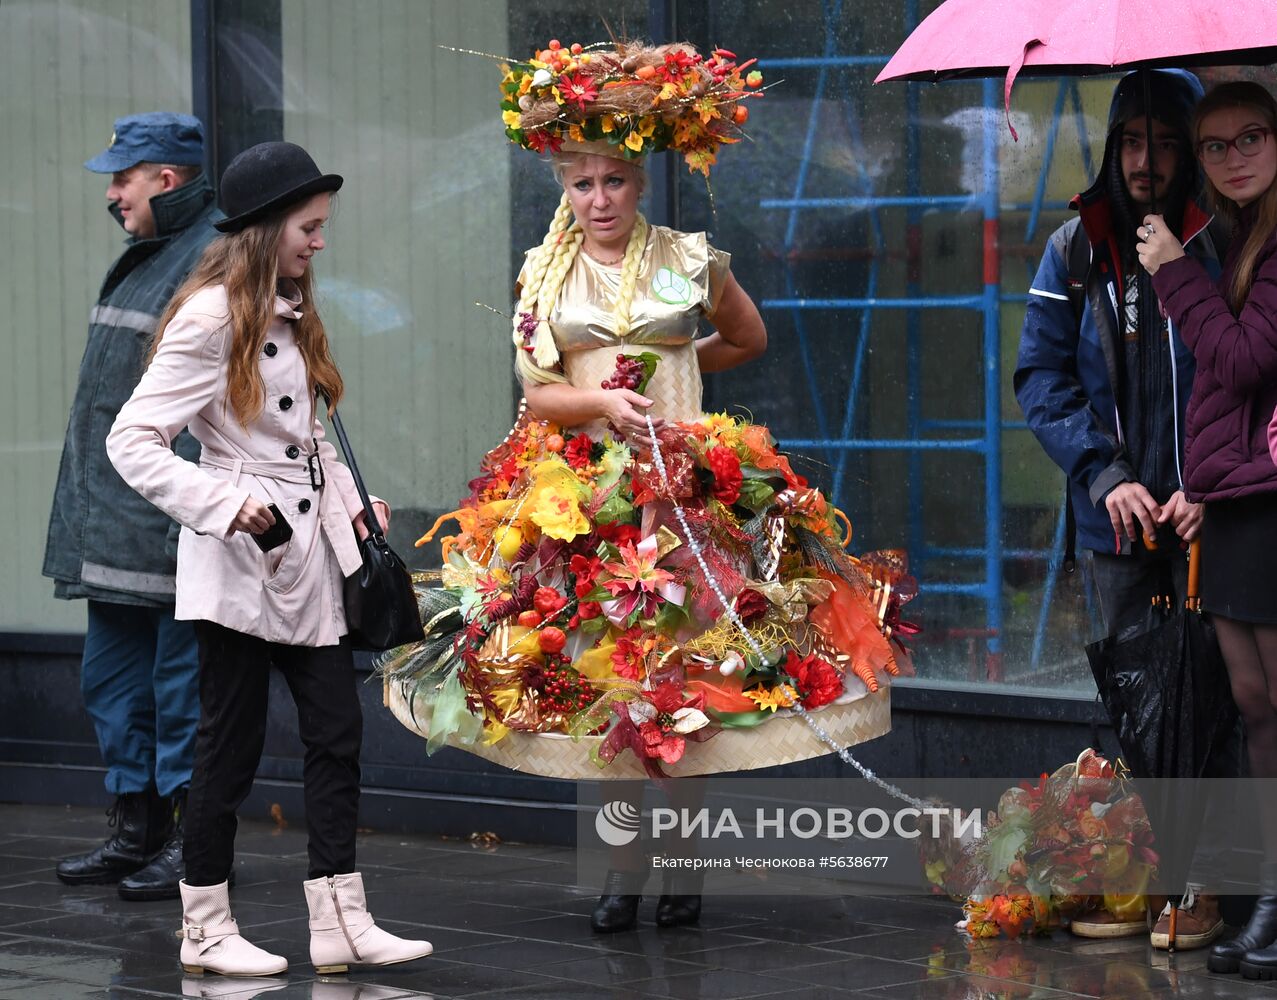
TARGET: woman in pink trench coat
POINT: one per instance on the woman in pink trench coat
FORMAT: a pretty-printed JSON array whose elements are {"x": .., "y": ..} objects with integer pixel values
[{"x": 237, "y": 358}]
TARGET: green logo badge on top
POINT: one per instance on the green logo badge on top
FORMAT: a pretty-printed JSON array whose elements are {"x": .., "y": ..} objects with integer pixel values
[{"x": 670, "y": 286}]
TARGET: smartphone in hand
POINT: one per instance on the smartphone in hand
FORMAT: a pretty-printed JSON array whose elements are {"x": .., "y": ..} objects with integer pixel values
[{"x": 277, "y": 534}]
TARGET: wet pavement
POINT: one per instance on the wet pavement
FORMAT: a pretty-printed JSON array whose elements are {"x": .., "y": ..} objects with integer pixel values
[{"x": 507, "y": 922}]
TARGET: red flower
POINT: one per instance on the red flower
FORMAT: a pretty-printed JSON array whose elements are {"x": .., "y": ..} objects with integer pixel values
[
  {"x": 619, "y": 533},
  {"x": 751, "y": 606},
  {"x": 727, "y": 475},
  {"x": 585, "y": 569},
  {"x": 579, "y": 88},
  {"x": 541, "y": 139},
  {"x": 578, "y": 451},
  {"x": 818, "y": 682},
  {"x": 629, "y": 656},
  {"x": 657, "y": 742},
  {"x": 659, "y": 738}
]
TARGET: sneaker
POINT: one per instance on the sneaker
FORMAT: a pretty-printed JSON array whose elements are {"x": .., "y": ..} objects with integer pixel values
[
  {"x": 1102, "y": 924},
  {"x": 1197, "y": 924}
]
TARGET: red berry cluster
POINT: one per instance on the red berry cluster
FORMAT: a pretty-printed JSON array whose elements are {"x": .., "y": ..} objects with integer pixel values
[
  {"x": 562, "y": 688},
  {"x": 628, "y": 374}
]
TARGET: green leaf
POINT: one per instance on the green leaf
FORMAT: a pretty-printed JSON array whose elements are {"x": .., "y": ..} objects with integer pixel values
[
  {"x": 756, "y": 494},
  {"x": 592, "y": 626},
  {"x": 671, "y": 618},
  {"x": 615, "y": 508}
]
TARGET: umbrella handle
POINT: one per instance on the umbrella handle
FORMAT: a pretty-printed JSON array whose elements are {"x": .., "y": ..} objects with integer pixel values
[{"x": 1192, "y": 601}]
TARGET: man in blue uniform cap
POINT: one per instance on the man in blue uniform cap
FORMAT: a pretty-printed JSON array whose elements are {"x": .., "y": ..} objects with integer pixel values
[{"x": 106, "y": 544}]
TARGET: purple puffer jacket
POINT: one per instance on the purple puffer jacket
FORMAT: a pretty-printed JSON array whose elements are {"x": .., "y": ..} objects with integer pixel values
[{"x": 1235, "y": 392}]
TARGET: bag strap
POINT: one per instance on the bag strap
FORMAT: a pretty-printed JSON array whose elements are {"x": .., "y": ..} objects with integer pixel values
[{"x": 370, "y": 517}]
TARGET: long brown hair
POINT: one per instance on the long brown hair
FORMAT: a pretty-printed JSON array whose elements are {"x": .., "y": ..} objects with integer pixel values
[
  {"x": 1243, "y": 94},
  {"x": 246, "y": 263}
]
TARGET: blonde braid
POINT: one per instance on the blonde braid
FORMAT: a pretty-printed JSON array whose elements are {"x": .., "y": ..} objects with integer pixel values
[
  {"x": 629, "y": 277},
  {"x": 527, "y": 365}
]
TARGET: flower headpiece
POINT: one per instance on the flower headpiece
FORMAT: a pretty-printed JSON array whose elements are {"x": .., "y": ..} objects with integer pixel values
[{"x": 634, "y": 98}]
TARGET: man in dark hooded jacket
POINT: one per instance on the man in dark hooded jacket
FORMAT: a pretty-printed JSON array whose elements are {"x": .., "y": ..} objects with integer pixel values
[
  {"x": 107, "y": 545},
  {"x": 1104, "y": 382}
]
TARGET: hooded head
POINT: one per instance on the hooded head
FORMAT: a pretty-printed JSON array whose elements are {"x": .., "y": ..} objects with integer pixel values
[{"x": 1130, "y": 176}]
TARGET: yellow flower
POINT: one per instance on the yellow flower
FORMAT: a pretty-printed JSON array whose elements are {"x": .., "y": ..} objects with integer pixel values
[
  {"x": 634, "y": 141},
  {"x": 558, "y": 98},
  {"x": 719, "y": 425},
  {"x": 525, "y": 84},
  {"x": 608, "y": 123},
  {"x": 512, "y": 119},
  {"x": 554, "y": 502},
  {"x": 575, "y": 133},
  {"x": 768, "y": 700}
]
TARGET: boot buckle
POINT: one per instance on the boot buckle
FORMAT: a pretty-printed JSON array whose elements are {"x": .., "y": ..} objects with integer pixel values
[{"x": 192, "y": 932}]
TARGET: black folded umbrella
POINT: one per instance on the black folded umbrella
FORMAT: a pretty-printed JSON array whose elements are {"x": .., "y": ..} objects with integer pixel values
[{"x": 1167, "y": 694}]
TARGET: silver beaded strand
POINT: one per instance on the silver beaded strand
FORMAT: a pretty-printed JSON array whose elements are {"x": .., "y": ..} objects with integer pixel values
[{"x": 843, "y": 752}]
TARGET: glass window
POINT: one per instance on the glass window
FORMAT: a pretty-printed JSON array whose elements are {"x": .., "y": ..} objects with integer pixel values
[{"x": 68, "y": 70}]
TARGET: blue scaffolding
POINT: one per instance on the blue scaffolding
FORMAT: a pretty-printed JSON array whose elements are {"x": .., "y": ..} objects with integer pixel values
[{"x": 982, "y": 436}]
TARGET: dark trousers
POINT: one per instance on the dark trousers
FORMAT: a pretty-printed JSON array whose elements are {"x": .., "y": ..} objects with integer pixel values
[{"x": 234, "y": 686}]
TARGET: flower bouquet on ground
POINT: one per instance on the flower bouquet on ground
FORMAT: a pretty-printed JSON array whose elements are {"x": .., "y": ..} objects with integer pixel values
[
  {"x": 1073, "y": 843},
  {"x": 650, "y": 601}
]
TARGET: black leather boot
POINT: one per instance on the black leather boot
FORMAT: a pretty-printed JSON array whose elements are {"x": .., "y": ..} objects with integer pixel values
[
  {"x": 680, "y": 902},
  {"x": 1255, "y": 938},
  {"x": 159, "y": 879},
  {"x": 140, "y": 831},
  {"x": 617, "y": 908}
]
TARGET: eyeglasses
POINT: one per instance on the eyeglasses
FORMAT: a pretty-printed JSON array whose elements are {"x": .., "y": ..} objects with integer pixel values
[{"x": 1248, "y": 143}]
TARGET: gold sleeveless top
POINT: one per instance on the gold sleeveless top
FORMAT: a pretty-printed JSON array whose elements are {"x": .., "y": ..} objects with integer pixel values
[{"x": 680, "y": 279}]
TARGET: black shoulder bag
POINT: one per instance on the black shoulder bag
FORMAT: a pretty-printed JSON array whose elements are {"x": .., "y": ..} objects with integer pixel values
[{"x": 381, "y": 607}]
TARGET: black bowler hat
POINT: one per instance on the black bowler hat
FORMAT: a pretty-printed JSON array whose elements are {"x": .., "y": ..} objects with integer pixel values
[{"x": 266, "y": 178}]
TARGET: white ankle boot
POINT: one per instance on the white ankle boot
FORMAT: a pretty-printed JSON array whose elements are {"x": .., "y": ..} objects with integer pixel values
[
  {"x": 342, "y": 932},
  {"x": 211, "y": 940}
]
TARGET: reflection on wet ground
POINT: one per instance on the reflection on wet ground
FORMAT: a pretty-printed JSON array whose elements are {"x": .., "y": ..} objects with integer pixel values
[{"x": 509, "y": 923}]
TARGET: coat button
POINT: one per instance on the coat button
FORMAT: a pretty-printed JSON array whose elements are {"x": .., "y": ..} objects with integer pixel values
[
  {"x": 292, "y": 451},
  {"x": 285, "y": 402},
  {"x": 303, "y": 506},
  {"x": 270, "y": 349}
]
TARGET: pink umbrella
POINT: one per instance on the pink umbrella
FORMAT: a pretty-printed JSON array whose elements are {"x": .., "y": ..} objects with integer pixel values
[{"x": 982, "y": 38}]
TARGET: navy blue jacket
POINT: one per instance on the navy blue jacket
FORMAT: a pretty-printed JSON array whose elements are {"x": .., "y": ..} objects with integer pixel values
[{"x": 1066, "y": 372}]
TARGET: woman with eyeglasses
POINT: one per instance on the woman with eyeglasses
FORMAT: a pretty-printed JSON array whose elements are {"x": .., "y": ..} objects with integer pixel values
[{"x": 1232, "y": 330}]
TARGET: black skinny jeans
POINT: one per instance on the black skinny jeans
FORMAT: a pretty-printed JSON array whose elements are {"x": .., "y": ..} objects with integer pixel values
[{"x": 234, "y": 685}]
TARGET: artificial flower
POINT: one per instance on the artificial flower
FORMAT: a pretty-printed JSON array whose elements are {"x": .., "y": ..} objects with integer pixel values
[
  {"x": 751, "y": 606},
  {"x": 585, "y": 569},
  {"x": 818, "y": 682},
  {"x": 554, "y": 501},
  {"x": 770, "y": 699},
  {"x": 636, "y": 581},
  {"x": 664, "y": 717},
  {"x": 577, "y": 88},
  {"x": 727, "y": 474},
  {"x": 630, "y": 655},
  {"x": 578, "y": 451},
  {"x": 541, "y": 139}
]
